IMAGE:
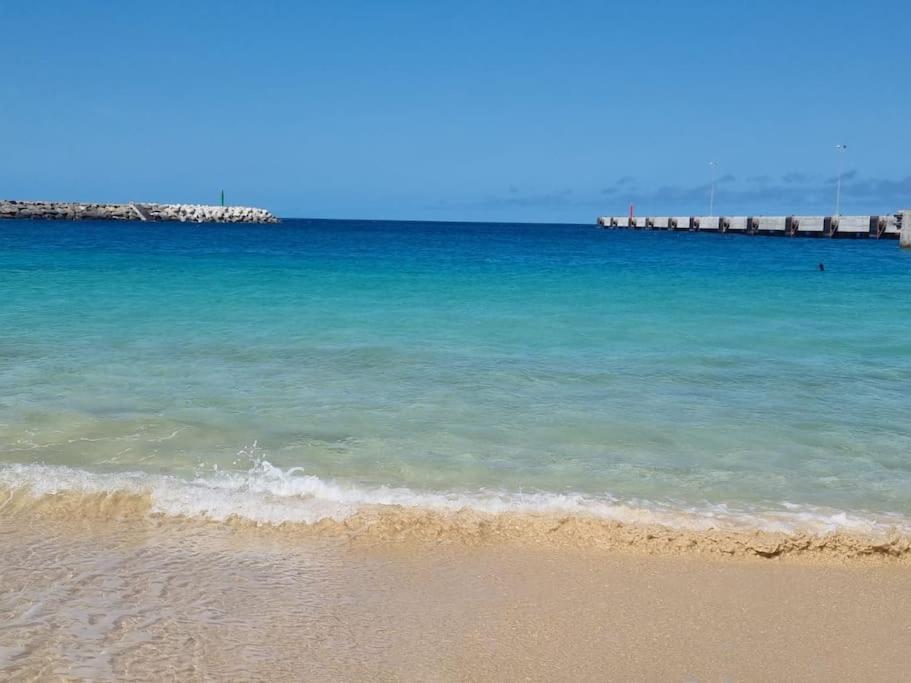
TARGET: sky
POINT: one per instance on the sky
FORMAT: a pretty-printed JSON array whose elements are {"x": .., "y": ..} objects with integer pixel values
[{"x": 462, "y": 110}]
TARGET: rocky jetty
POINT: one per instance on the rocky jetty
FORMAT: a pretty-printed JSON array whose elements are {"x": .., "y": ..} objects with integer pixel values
[{"x": 185, "y": 213}]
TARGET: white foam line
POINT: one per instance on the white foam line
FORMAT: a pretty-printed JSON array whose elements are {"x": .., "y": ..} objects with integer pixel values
[{"x": 270, "y": 495}]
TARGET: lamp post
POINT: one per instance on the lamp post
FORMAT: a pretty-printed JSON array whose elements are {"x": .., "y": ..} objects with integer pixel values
[
  {"x": 712, "y": 165},
  {"x": 840, "y": 151}
]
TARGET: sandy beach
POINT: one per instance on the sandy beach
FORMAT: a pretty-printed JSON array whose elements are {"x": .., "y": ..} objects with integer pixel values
[
  {"x": 145, "y": 598},
  {"x": 450, "y": 341}
]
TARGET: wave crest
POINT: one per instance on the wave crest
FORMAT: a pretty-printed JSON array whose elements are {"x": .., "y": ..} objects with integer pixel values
[{"x": 290, "y": 499}]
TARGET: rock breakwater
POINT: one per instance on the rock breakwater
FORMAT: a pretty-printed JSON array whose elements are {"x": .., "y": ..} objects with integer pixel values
[{"x": 185, "y": 213}]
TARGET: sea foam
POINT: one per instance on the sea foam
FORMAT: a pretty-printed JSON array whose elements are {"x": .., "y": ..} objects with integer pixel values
[{"x": 269, "y": 495}]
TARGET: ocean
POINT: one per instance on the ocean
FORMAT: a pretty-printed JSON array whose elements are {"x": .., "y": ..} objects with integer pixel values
[{"x": 300, "y": 372}]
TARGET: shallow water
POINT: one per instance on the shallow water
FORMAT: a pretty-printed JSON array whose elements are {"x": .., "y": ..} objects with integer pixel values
[{"x": 298, "y": 371}]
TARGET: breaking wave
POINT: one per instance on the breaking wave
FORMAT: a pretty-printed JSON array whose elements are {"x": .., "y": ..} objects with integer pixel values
[{"x": 270, "y": 496}]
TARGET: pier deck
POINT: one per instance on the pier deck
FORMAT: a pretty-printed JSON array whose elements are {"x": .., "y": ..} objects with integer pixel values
[{"x": 869, "y": 227}]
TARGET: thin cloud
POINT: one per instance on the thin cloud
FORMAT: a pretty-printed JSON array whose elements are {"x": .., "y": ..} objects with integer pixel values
[
  {"x": 795, "y": 177},
  {"x": 801, "y": 194},
  {"x": 846, "y": 176},
  {"x": 562, "y": 197}
]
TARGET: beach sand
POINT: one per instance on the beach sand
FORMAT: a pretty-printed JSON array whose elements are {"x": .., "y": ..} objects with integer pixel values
[{"x": 144, "y": 598}]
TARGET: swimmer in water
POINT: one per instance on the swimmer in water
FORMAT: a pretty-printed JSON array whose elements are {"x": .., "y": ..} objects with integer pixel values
[{"x": 822, "y": 267}]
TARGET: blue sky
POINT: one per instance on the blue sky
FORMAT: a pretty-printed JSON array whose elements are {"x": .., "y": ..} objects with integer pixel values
[{"x": 527, "y": 111}]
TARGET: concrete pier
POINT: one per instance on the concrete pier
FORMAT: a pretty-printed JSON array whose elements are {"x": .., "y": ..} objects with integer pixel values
[
  {"x": 806, "y": 226},
  {"x": 706, "y": 223},
  {"x": 134, "y": 211},
  {"x": 734, "y": 223},
  {"x": 905, "y": 229},
  {"x": 680, "y": 223},
  {"x": 851, "y": 227},
  {"x": 768, "y": 225}
]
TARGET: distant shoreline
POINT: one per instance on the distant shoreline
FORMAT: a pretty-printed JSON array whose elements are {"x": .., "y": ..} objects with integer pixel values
[{"x": 133, "y": 211}]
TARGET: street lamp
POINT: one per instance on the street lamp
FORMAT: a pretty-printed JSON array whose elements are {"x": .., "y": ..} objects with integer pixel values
[
  {"x": 712, "y": 165},
  {"x": 840, "y": 151}
]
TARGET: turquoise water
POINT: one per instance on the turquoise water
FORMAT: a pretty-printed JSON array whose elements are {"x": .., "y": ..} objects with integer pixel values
[{"x": 310, "y": 367}]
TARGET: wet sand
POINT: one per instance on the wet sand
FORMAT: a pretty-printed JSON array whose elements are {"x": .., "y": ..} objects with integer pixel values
[{"x": 152, "y": 599}]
